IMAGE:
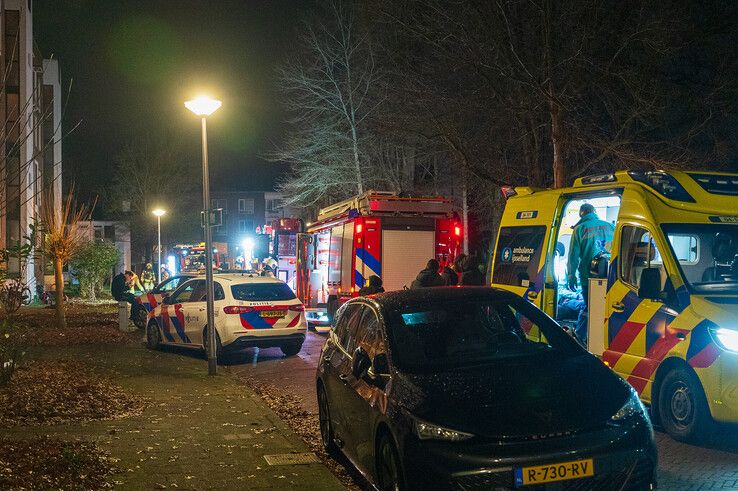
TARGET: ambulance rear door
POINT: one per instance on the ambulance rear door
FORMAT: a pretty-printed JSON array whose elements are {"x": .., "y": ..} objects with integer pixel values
[{"x": 523, "y": 249}]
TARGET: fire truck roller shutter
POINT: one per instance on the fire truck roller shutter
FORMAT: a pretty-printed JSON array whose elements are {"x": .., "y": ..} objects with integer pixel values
[
  {"x": 348, "y": 243},
  {"x": 404, "y": 254}
]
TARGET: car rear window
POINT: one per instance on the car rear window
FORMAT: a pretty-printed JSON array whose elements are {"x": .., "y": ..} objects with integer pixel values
[{"x": 262, "y": 292}]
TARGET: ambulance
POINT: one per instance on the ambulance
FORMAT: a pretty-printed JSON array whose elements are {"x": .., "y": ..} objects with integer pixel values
[
  {"x": 664, "y": 312},
  {"x": 377, "y": 233}
]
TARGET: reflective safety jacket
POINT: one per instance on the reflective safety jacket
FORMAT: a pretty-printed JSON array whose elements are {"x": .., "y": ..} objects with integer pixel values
[{"x": 591, "y": 235}]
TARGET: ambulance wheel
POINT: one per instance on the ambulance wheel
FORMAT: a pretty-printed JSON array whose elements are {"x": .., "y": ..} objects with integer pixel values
[
  {"x": 291, "y": 349},
  {"x": 153, "y": 336},
  {"x": 219, "y": 354},
  {"x": 682, "y": 407},
  {"x": 140, "y": 316}
]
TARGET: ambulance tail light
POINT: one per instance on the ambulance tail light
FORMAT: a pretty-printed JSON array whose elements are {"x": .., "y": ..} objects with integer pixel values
[
  {"x": 297, "y": 308},
  {"x": 508, "y": 191},
  {"x": 237, "y": 309}
]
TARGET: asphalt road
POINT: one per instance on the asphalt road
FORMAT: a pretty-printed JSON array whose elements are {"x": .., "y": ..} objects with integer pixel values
[{"x": 681, "y": 466}]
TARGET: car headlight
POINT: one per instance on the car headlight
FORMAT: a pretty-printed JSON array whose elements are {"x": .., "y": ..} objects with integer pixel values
[
  {"x": 429, "y": 431},
  {"x": 632, "y": 407},
  {"x": 726, "y": 338}
]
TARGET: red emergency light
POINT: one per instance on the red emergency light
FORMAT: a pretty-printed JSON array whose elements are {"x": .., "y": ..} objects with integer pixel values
[
  {"x": 359, "y": 228},
  {"x": 457, "y": 231}
]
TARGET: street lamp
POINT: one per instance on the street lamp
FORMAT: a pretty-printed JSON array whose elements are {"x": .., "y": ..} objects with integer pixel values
[
  {"x": 204, "y": 107},
  {"x": 159, "y": 212}
]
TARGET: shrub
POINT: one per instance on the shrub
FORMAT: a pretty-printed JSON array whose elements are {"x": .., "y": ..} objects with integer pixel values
[
  {"x": 13, "y": 344},
  {"x": 93, "y": 263}
]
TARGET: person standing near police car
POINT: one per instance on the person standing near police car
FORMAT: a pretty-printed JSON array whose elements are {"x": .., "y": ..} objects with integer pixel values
[{"x": 591, "y": 236}]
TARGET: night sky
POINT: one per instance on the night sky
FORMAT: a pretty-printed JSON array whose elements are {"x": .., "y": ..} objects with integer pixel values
[{"x": 132, "y": 64}]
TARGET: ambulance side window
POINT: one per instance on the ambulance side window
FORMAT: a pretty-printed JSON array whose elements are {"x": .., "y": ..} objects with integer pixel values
[
  {"x": 638, "y": 251},
  {"x": 518, "y": 255}
]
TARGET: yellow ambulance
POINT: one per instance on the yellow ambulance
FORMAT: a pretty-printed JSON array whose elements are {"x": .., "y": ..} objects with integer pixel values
[{"x": 663, "y": 312}]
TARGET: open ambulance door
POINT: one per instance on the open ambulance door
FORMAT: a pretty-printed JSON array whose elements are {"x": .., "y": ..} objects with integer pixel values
[{"x": 524, "y": 248}]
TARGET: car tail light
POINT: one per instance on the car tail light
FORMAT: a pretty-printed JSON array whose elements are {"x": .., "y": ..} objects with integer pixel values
[
  {"x": 237, "y": 309},
  {"x": 297, "y": 308}
]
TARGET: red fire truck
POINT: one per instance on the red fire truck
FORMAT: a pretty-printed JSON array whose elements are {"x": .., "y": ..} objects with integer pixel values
[
  {"x": 376, "y": 233},
  {"x": 191, "y": 258},
  {"x": 284, "y": 247}
]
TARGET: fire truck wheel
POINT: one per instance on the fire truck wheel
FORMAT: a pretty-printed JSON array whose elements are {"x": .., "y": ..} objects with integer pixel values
[
  {"x": 153, "y": 337},
  {"x": 291, "y": 349},
  {"x": 683, "y": 408}
]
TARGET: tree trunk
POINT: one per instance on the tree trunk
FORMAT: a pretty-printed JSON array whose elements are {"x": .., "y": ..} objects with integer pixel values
[
  {"x": 61, "y": 320},
  {"x": 465, "y": 208},
  {"x": 560, "y": 176},
  {"x": 92, "y": 291},
  {"x": 357, "y": 163}
]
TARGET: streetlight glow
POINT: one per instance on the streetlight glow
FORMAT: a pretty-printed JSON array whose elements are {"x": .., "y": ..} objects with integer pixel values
[
  {"x": 159, "y": 212},
  {"x": 203, "y": 106}
]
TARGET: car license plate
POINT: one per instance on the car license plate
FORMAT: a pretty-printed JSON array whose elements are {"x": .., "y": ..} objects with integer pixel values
[
  {"x": 563, "y": 471},
  {"x": 272, "y": 313}
]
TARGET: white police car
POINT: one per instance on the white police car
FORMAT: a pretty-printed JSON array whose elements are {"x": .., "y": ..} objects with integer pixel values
[{"x": 250, "y": 311}]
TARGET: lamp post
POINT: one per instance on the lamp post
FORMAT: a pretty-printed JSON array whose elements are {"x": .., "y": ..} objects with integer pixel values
[
  {"x": 159, "y": 212},
  {"x": 204, "y": 107}
]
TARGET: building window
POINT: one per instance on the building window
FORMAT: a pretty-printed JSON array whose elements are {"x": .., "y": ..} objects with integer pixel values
[
  {"x": 245, "y": 226},
  {"x": 246, "y": 205},
  {"x": 273, "y": 204}
]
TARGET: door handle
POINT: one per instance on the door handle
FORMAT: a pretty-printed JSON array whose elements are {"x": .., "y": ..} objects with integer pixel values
[{"x": 618, "y": 307}]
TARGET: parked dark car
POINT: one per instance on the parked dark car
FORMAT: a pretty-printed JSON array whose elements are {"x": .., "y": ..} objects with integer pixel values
[{"x": 475, "y": 388}]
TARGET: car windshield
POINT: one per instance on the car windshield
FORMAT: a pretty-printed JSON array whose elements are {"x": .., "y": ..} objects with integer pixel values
[
  {"x": 262, "y": 292},
  {"x": 440, "y": 335},
  {"x": 707, "y": 255}
]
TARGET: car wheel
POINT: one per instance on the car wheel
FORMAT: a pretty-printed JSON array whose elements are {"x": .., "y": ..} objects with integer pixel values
[
  {"x": 291, "y": 349},
  {"x": 682, "y": 406},
  {"x": 326, "y": 426},
  {"x": 140, "y": 317},
  {"x": 219, "y": 354},
  {"x": 153, "y": 336},
  {"x": 389, "y": 468}
]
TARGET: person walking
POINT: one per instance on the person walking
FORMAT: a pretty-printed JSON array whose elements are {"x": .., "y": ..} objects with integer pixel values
[
  {"x": 429, "y": 276},
  {"x": 471, "y": 276},
  {"x": 373, "y": 285},
  {"x": 148, "y": 277}
]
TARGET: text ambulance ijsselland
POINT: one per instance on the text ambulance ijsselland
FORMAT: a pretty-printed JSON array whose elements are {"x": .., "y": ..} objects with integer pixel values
[{"x": 664, "y": 313}]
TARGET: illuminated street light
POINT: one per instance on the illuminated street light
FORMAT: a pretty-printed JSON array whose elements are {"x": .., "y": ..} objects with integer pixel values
[
  {"x": 159, "y": 213},
  {"x": 204, "y": 107}
]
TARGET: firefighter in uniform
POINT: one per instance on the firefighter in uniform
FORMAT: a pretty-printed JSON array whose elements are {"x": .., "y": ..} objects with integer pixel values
[{"x": 148, "y": 277}]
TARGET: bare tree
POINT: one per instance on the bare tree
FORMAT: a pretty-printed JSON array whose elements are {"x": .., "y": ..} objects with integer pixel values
[
  {"x": 328, "y": 91},
  {"x": 60, "y": 240}
]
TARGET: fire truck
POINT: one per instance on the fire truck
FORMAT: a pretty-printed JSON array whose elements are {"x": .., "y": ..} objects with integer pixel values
[
  {"x": 284, "y": 233},
  {"x": 377, "y": 233},
  {"x": 191, "y": 258}
]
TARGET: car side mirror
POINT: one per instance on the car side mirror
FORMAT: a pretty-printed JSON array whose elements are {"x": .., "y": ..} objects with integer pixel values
[
  {"x": 379, "y": 373},
  {"x": 360, "y": 363},
  {"x": 650, "y": 285}
]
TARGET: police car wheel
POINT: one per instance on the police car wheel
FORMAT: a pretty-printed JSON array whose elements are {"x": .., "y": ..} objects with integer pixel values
[
  {"x": 153, "y": 337},
  {"x": 140, "y": 317},
  {"x": 682, "y": 407},
  {"x": 219, "y": 354},
  {"x": 291, "y": 349}
]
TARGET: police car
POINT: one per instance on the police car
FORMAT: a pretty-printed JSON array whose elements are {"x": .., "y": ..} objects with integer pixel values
[
  {"x": 250, "y": 311},
  {"x": 148, "y": 301}
]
